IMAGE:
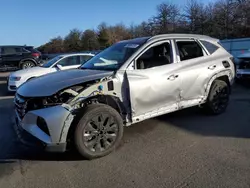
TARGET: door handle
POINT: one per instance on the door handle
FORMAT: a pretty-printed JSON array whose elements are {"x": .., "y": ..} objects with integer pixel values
[
  {"x": 173, "y": 76},
  {"x": 212, "y": 67}
]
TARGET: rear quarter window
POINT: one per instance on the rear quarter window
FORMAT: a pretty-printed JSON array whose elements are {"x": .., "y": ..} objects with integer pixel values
[
  {"x": 30, "y": 49},
  {"x": 211, "y": 48}
]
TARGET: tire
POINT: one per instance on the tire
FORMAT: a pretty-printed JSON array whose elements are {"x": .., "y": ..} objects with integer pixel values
[
  {"x": 218, "y": 98},
  {"x": 89, "y": 137},
  {"x": 27, "y": 64}
]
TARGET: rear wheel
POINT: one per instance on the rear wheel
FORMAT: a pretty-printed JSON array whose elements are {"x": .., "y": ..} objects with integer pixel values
[
  {"x": 99, "y": 131},
  {"x": 218, "y": 98},
  {"x": 27, "y": 64}
]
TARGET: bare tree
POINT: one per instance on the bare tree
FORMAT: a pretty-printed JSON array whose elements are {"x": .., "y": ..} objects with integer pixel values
[
  {"x": 89, "y": 40},
  {"x": 72, "y": 42},
  {"x": 167, "y": 18},
  {"x": 195, "y": 14},
  {"x": 221, "y": 19}
]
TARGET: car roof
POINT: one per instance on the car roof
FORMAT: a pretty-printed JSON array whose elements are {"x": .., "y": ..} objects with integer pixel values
[
  {"x": 173, "y": 35},
  {"x": 73, "y": 54},
  {"x": 182, "y": 35}
]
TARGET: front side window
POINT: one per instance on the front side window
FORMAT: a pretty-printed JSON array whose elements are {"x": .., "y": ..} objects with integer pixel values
[
  {"x": 155, "y": 56},
  {"x": 115, "y": 56},
  {"x": 69, "y": 61},
  {"x": 189, "y": 50}
]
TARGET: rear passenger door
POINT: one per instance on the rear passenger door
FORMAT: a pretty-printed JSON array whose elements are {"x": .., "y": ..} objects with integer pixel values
[{"x": 194, "y": 62}]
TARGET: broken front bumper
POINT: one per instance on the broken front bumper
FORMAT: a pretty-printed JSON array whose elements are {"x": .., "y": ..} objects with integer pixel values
[{"x": 48, "y": 125}]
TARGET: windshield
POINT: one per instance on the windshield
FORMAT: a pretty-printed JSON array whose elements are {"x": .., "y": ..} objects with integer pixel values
[
  {"x": 112, "y": 58},
  {"x": 51, "y": 62}
]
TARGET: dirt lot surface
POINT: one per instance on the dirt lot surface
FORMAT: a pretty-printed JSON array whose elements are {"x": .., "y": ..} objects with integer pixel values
[{"x": 183, "y": 149}]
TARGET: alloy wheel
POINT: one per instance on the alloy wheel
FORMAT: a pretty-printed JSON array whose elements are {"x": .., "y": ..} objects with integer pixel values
[
  {"x": 220, "y": 99},
  {"x": 100, "y": 133},
  {"x": 28, "y": 65}
]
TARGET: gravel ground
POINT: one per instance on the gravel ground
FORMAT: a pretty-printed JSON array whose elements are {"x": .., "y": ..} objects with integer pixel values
[{"x": 182, "y": 149}]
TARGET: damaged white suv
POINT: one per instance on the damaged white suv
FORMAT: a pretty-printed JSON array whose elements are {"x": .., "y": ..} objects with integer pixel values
[{"x": 131, "y": 81}]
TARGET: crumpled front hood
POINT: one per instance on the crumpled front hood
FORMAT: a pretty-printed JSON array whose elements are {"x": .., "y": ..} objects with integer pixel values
[{"x": 50, "y": 84}]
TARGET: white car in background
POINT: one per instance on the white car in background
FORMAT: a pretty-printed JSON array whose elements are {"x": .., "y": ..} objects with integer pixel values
[{"x": 58, "y": 63}]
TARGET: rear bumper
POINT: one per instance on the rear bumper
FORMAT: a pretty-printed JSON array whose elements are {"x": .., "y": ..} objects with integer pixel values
[{"x": 51, "y": 141}]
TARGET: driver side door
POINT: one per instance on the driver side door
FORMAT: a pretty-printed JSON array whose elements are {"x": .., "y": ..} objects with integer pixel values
[{"x": 154, "y": 83}]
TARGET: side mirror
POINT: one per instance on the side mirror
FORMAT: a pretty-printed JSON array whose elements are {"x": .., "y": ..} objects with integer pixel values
[{"x": 60, "y": 67}]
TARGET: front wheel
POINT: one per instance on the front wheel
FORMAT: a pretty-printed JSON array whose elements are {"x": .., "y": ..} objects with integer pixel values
[
  {"x": 218, "y": 97},
  {"x": 99, "y": 131}
]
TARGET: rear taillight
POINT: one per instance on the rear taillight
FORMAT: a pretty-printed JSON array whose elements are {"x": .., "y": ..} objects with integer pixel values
[{"x": 35, "y": 55}]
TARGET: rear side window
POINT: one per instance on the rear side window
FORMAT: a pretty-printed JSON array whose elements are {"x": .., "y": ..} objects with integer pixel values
[
  {"x": 189, "y": 50},
  {"x": 31, "y": 49},
  {"x": 84, "y": 58},
  {"x": 18, "y": 50},
  {"x": 211, "y": 48},
  {"x": 25, "y": 50},
  {"x": 69, "y": 61}
]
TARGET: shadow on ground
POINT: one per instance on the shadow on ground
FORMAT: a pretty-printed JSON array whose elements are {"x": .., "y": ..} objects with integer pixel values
[
  {"x": 235, "y": 122},
  {"x": 3, "y": 85},
  {"x": 245, "y": 83}
]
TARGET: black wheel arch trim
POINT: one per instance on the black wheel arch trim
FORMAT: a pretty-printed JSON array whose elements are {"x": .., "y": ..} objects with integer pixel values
[{"x": 102, "y": 99}]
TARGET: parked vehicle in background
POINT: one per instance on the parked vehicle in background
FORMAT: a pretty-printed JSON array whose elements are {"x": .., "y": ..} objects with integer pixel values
[
  {"x": 58, "y": 63},
  {"x": 243, "y": 66},
  {"x": 131, "y": 81},
  {"x": 19, "y": 57}
]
